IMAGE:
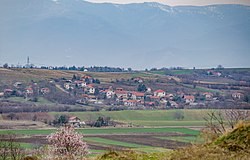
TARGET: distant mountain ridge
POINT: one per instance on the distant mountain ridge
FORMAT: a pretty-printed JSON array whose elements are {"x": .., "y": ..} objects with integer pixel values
[{"x": 143, "y": 35}]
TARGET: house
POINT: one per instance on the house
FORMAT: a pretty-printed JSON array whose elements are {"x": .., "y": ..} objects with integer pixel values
[
  {"x": 29, "y": 91},
  {"x": 137, "y": 95},
  {"x": 138, "y": 79},
  {"x": 75, "y": 121},
  {"x": 17, "y": 84},
  {"x": 92, "y": 99},
  {"x": 149, "y": 90},
  {"x": 208, "y": 95},
  {"x": 110, "y": 94},
  {"x": 151, "y": 104},
  {"x": 169, "y": 96},
  {"x": 87, "y": 79},
  {"x": 189, "y": 99},
  {"x": 213, "y": 73},
  {"x": 237, "y": 95},
  {"x": 1, "y": 94},
  {"x": 80, "y": 83},
  {"x": 131, "y": 103},
  {"x": 174, "y": 104},
  {"x": 154, "y": 98},
  {"x": 91, "y": 89},
  {"x": 87, "y": 99},
  {"x": 68, "y": 86},
  {"x": 8, "y": 91},
  {"x": 121, "y": 94},
  {"x": 159, "y": 93},
  {"x": 45, "y": 90}
]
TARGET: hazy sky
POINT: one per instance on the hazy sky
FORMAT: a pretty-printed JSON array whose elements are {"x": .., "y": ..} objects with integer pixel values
[{"x": 179, "y": 2}]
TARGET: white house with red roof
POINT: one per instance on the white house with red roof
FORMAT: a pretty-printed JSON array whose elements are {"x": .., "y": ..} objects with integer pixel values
[
  {"x": 208, "y": 95},
  {"x": 91, "y": 89},
  {"x": 75, "y": 121},
  {"x": 29, "y": 90},
  {"x": 121, "y": 94},
  {"x": 109, "y": 93},
  {"x": 45, "y": 90},
  {"x": 159, "y": 93},
  {"x": 137, "y": 95},
  {"x": 80, "y": 83},
  {"x": 189, "y": 99}
]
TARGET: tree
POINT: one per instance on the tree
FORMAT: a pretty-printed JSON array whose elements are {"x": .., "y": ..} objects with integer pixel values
[
  {"x": 219, "y": 122},
  {"x": 62, "y": 119},
  {"x": 141, "y": 88},
  {"x": 11, "y": 116},
  {"x": 179, "y": 115},
  {"x": 67, "y": 142},
  {"x": 5, "y": 65},
  {"x": 9, "y": 148},
  {"x": 168, "y": 104},
  {"x": 74, "y": 77}
]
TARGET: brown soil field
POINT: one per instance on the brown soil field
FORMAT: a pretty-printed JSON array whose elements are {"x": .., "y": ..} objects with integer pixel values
[{"x": 146, "y": 139}]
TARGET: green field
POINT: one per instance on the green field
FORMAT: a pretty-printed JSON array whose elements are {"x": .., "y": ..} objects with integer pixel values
[
  {"x": 105, "y": 131},
  {"x": 146, "y": 117}
]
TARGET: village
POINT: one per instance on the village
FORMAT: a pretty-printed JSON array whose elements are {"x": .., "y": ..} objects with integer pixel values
[{"x": 119, "y": 95}]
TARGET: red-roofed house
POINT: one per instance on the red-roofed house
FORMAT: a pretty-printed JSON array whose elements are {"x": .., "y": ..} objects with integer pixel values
[
  {"x": 208, "y": 95},
  {"x": 121, "y": 94},
  {"x": 189, "y": 99},
  {"x": 149, "y": 104},
  {"x": 159, "y": 93},
  {"x": 91, "y": 88},
  {"x": 137, "y": 95},
  {"x": 45, "y": 90},
  {"x": 29, "y": 91},
  {"x": 75, "y": 121},
  {"x": 80, "y": 83},
  {"x": 8, "y": 90}
]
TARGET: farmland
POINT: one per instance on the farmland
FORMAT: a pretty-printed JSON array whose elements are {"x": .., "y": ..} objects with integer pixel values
[
  {"x": 151, "y": 138},
  {"x": 101, "y": 139},
  {"x": 147, "y": 117}
]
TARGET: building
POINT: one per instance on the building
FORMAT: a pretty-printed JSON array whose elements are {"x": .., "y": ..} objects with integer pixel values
[
  {"x": 137, "y": 95},
  {"x": 159, "y": 93},
  {"x": 75, "y": 121},
  {"x": 131, "y": 103},
  {"x": 208, "y": 95},
  {"x": 91, "y": 89},
  {"x": 237, "y": 95},
  {"x": 121, "y": 94},
  {"x": 189, "y": 99},
  {"x": 45, "y": 90}
]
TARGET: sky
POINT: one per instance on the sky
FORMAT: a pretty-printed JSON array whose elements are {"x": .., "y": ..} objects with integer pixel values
[{"x": 178, "y": 2}]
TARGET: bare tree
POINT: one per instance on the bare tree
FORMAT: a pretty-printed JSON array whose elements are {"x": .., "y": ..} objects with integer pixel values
[
  {"x": 233, "y": 116},
  {"x": 219, "y": 121}
]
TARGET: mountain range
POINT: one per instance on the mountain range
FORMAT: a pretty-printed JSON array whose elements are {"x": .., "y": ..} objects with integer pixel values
[{"x": 138, "y": 35}]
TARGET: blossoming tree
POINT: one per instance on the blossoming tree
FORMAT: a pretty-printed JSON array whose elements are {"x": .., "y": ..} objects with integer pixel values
[{"x": 66, "y": 141}]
